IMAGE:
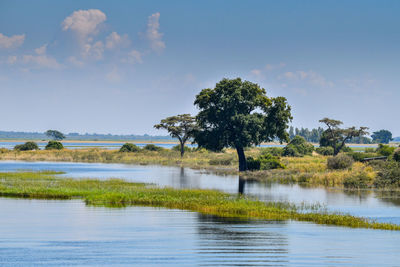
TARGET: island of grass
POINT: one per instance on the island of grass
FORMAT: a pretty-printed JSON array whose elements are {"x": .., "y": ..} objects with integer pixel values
[{"x": 119, "y": 193}]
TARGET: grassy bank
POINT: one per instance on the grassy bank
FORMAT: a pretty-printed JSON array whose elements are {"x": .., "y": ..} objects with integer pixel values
[{"x": 119, "y": 193}]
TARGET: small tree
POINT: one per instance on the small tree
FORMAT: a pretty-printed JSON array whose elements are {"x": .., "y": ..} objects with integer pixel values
[
  {"x": 179, "y": 126},
  {"x": 336, "y": 137},
  {"x": 239, "y": 114},
  {"x": 382, "y": 136},
  {"x": 56, "y": 135}
]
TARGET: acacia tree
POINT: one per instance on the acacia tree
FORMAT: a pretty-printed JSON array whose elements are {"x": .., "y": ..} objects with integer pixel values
[
  {"x": 239, "y": 114},
  {"x": 382, "y": 136},
  {"x": 56, "y": 135},
  {"x": 179, "y": 126},
  {"x": 336, "y": 137}
]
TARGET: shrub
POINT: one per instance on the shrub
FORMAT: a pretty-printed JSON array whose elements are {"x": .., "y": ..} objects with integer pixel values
[
  {"x": 128, "y": 147},
  {"x": 274, "y": 151},
  {"x": 346, "y": 149},
  {"x": 269, "y": 162},
  {"x": 388, "y": 175},
  {"x": 27, "y": 146},
  {"x": 264, "y": 162},
  {"x": 54, "y": 145},
  {"x": 340, "y": 162},
  {"x": 396, "y": 155},
  {"x": 298, "y": 147},
  {"x": 253, "y": 164},
  {"x": 370, "y": 150},
  {"x": 325, "y": 150},
  {"x": 360, "y": 156},
  {"x": 385, "y": 150},
  {"x": 220, "y": 161},
  {"x": 358, "y": 181},
  {"x": 178, "y": 148},
  {"x": 151, "y": 147}
]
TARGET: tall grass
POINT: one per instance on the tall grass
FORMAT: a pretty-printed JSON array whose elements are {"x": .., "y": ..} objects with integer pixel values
[{"x": 119, "y": 193}]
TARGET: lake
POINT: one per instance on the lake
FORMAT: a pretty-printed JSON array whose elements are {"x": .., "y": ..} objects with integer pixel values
[{"x": 43, "y": 232}]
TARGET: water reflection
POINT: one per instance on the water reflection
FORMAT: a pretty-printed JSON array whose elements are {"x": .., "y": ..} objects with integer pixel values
[{"x": 235, "y": 242}]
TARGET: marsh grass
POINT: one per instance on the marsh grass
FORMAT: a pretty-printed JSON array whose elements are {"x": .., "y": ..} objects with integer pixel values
[{"x": 120, "y": 193}]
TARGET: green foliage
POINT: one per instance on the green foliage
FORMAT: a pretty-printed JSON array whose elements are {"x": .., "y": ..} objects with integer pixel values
[
  {"x": 128, "y": 147},
  {"x": 274, "y": 151},
  {"x": 152, "y": 147},
  {"x": 220, "y": 161},
  {"x": 358, "y": 181},
  {"x": 56, "y": 135},
  {"x": 27, "y": 146},
  {"x": 385, "y": 150},
  {"x": 54, "y": 145},
  {"x": 360, "y": 156},
  {"x": 339, "y": 162},
  {"x": 178, "y": 148},
  {"x": 264, "y": 162},
  {"x": 382, "y": 136},
  {"x": 396, "y": 155},
  {"x": 336, "y": 137},
  {"x": 298, "y": 147},
  {"x": 239, "y": 114},
  {"x": 388, "y": 175},
  {"x": 370, "y": 150},
  {"x": 325, "y": 151}
]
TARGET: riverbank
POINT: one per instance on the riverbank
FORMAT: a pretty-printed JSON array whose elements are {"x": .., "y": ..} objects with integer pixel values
[{"x": 119, "y": 193}]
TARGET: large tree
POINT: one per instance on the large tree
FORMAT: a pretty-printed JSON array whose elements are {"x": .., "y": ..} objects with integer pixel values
[
  {"x": 179, "y": 126},
  {"x": 54, "y": 134},
  {"x": 239, "y": 114},
  {"x": 382, "y": 136},
  {"x": 336, "y": 137}
]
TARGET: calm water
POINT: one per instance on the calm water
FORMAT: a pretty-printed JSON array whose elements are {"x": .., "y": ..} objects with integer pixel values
[{"x": 39, "y": 232}]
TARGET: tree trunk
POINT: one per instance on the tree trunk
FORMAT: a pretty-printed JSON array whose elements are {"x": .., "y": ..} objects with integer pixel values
[
  {"x": 182, "y": 149},
  {"x": 242, "y": 159}
]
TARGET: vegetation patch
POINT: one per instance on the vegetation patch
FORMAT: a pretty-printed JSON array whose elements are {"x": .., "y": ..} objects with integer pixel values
[
  {"x": 54, "y": 145},
  {"x": 119, "y": 193},
  {"x": 339, "y": 162},
  {"x": 27, "y": 146}
]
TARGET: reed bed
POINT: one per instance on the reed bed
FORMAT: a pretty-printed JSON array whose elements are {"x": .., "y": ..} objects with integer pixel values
[{"x": 119, "y": 193}]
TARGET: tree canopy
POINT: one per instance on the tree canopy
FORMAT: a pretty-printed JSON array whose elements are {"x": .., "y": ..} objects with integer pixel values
[
  {"x": 382, "y": 136},
  {"x": 56, "y": 135},
  {"x": 336, "y": 137},
  {"x": 239, "y": 114},
  {"x": 180, "y": 127}
]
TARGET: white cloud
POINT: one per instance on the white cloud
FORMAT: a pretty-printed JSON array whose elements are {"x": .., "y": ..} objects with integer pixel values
[
  {"x": 11, "y": 42},
  {"x": 267, "y": 69},
  {"x": 113, "y": 76},
  {"x": 153, "y": 34},
  {"x": 41, "y": 50},
  {"x": 310, "y": 76},
  {"x": 74, "y": 61},
  {"x": 84, "y": 23},
  {"x": 115, "y": 40},
  {"x": 94, "y": 51},
  {"x": 41, "y": 61},
  {"x": 12, "y": 60},
  {"x": 133, "y": 57}
]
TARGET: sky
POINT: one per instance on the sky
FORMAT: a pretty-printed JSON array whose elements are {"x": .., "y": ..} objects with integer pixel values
[{"x": 121, "y": 66}]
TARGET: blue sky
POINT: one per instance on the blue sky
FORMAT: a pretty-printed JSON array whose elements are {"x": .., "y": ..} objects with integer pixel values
[{"x": 121, "y": 66}]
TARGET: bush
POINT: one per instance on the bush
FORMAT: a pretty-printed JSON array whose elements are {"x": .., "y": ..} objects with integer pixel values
[
  {"x": 264, "y": 162},
  {"x": 54, "y": 145},
  {"x": 128, "y": 147},
  {"x": 274, "y": 151},
  {"x": 346, "y": 149},
  {"x": 220, "y": 161},
  {"x": 340, "y": 162},
  {"x": 178, "y": 148},
  {"x": 325, "y": 150},
  {"x": 360, "y": 156},
  {"x": 27, "y": 146},
  {"x": 298, "y": 147},
  {"x": 361, "y": 180},
  {"x": 388, "y": 175},
  {"x": 253, "y": 164},
  {"x": 370, "y": 150},
  {"x": 385, "y": 150},
  {"x": 151, "y": 147},
  {"x": 396, "y": 155}
]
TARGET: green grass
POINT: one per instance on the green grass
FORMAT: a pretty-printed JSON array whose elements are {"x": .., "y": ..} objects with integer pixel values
[{"x": 119, "y": 193}]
